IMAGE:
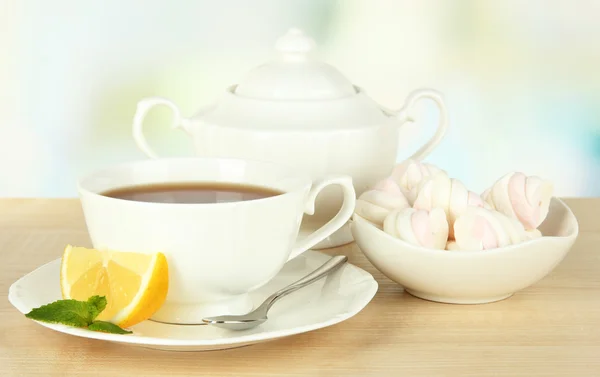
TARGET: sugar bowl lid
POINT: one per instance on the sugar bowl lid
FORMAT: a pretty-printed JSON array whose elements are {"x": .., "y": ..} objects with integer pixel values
[
  {"x": 292, "y": 91},
  {"x": 295, "y": 74}
]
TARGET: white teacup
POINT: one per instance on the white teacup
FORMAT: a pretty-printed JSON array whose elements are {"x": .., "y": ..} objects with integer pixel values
[{"x": 217, "y": 252}]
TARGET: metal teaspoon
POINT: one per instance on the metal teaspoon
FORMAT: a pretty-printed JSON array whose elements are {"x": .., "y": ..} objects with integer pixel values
[{"x": 259, "y": 315}]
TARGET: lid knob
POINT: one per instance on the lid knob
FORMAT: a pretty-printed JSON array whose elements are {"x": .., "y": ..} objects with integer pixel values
[
  {"x": 294, "y": 74},
  {"x": 294, "y": 42}
]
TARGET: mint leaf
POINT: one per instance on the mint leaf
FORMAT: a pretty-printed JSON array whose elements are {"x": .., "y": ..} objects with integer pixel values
[
  {"x": 96, "y": 306},
  {"x": 76, "y": 313},
  {"x": 68, "y": 312},
  {"x": 108, "y": 327}
]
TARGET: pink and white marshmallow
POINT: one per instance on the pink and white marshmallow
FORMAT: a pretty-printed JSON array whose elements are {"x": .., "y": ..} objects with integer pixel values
[
  {"x": 375, "y": 204},
  {"x": 410, "y": 173},
  {"x": 484, "y": 229},
  {"x": 521, "y": 197},
  {"x": 418, "y": 227},
  {"x": 440, "y": 191}
]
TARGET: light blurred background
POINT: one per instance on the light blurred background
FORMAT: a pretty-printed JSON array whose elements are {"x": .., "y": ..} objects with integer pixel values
[{"x": 521, "y": 78}]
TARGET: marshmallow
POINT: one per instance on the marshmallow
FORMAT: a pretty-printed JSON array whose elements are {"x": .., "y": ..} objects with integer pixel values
[
  {"x": 526, "y": 199},
  {"x": 483, "y": 229},
  {"x": 375, "y": 204},
  {"x": 533, "y": 234},
  {"x": 409, "y": 175},
  {"x": 450, "y": 194},
  {"x": 418, "y": 227}
]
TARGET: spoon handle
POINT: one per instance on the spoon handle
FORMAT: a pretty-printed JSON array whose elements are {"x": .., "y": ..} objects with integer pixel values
[{"x": 328, "y": 267}]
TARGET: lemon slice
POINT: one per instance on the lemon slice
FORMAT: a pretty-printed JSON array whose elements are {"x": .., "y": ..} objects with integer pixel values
[{"x": 135, "y": 285}]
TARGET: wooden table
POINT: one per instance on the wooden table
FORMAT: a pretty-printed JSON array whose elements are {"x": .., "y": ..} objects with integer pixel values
[{"x": 550, "y": 329}]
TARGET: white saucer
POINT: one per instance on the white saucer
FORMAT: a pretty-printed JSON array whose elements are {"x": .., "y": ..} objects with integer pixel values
[{"x": 321, "y": 304}]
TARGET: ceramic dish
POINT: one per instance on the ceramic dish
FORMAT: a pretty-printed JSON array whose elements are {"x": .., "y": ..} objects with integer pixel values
[
  {"x": 463, "y": 277},
  {"x": 329, "y": 301}
]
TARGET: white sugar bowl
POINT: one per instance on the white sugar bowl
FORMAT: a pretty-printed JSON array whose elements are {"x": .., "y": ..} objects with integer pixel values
[{"x": 302, "y": 112}]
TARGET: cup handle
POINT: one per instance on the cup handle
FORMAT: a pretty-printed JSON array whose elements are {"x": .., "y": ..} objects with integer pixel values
[
  {"x": 336, "y": 222},
  {"x": 143, "y": 107},
  {"x": 404, "y": 116}
]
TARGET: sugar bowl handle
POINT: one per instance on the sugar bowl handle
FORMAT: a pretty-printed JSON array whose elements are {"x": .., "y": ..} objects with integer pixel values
[
  {"x": 143, "y": 107},
  {"x": 338, "y": 221},
  {"x": 404, "y": 116}
]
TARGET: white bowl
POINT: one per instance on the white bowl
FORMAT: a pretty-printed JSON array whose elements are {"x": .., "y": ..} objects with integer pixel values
[{"x": 468, "y": 277}]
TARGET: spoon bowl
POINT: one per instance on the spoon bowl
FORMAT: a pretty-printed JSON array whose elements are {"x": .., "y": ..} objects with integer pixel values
[{"x": 236, "y": 322}]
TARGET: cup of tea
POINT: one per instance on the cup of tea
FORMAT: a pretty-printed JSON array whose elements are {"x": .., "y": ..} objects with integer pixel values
[{"x": 226, "y": 226}]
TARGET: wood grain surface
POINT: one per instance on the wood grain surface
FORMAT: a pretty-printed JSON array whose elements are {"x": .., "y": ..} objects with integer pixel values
[{"x": 549, "y": 329}]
